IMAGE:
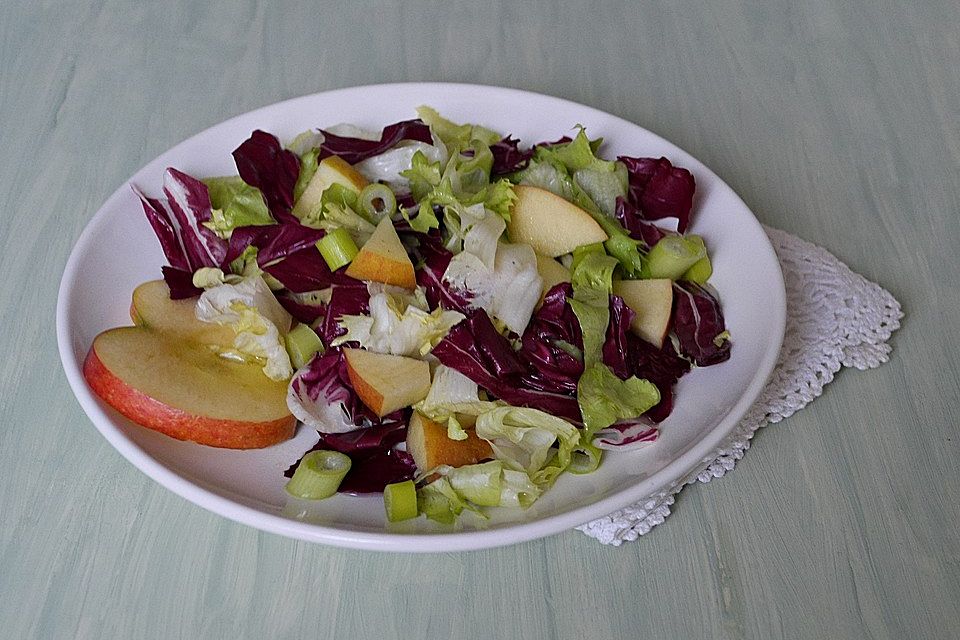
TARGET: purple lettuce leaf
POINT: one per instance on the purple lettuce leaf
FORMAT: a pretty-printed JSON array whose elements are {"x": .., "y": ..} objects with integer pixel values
[
  {"x": 624, "y": 432},
  {"x": 552, "y": 367},
  {"x": 371, "y": 446},
  {"x": 699, "y": 325},
  {"x": 189, "y": 201},
  {"x": 263, "y": 163},
  {"x": 660, "y": 190},
  {"x": 616, "y": 346},
  {"x": 240, "y": 239},
  {"x": 354, "y": 150},
  {"x": 301, "y": 311},
  {"x": 180, "y": 283},
  {"x": 432, "y": 259},
  {"x": 406, "y": 200},
  {"x": 162, "y": 221},
  {"x": 508, "y": 158},
  {"x": 325, "y": 378},
  {"x": 662, "y": 366},
  {"x": 371, "y": 468},
  {"x": 305, "y": 270},
  {"x": 370, "y": 474},
  {"x": 378, "y": 437},
  {"x": 563, "y": 140},
  {"x": 632, "y": 220},
  {"x": 475, "y": 349},
  {"x": 348, "y": 297},
  {"x": 279, "y": 241}
]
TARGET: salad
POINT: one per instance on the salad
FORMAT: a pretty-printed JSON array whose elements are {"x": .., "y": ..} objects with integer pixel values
[{"x": 460, "y": 317}]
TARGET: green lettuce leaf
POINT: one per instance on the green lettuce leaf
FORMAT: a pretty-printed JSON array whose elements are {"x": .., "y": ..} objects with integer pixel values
[
  {"x": 423, "y": 175},
  {"x": 234, "y": 204},
  {"x": 398, "y": 323},
  {"x": 440, "y": 502},
  {"x": 456, "y": 135},
  {"x": 487, "y": 484},
  {"x": 339, "y": 207},
  {"x": 523, "y": 439},
  {"x": 308, "y": 167},
  {"x": 260, "y": 323},
  {"x": 604, "y": 398},
  {"x": 451, "y": 393},
  {"x": 592, "y": 284},
  {"x": 574, "y": 172}
]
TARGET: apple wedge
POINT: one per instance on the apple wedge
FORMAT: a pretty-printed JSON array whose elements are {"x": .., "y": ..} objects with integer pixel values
[
  {"x": 185, "y": 390},
  {"x": 552, "y": 273},
  {"x": 331, "y": 170},
  {"x": 430, "y": 447},
  {"x": 386, "y": 382},
  {"x": 152, "y": 308},
  {"x": 652, "y": 301},
  {"x": 383, "y": 259},
  {"x": 550, "y": 224}
]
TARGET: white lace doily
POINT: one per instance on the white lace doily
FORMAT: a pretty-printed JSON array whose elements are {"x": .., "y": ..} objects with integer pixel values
[{"x": 835, "y": 318}]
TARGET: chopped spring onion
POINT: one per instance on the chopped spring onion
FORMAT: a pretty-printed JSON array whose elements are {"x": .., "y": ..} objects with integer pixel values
[
  {"x": 302, "y": 345},
  {"x": 319, "y": 475},
  {"x": 337, "y": 248},
  {"x": 377, "y": 201},
  {"x": 672, "y": 256},
  {"x": 700, "y": 272},
  {"x": 400, "y": 501},
  {"x": 585, "y": 459}
]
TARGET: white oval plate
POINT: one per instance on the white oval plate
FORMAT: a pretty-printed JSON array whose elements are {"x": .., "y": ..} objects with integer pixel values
[{"x": 117, "y": 251}]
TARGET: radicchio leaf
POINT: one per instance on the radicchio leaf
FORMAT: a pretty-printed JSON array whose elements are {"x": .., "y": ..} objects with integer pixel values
[
  {"x": 699, "y": 325},
  {"x": 475, "y": 349},
  {"x": 371, "y": 474},
  {"x": 305, "y": 270},
  {"x": 263, "y": 163},
  {"x": 304, "y": 312},
  {"x": 279, "y": 241},
  {"x": 371, "y": 469},
  {"x": 349, "y": 297},
  {"x": 189, "y": 201},
  {"x": 626, "y": 432},
  {"x": 354, "y": 150},
  {"x": 547, "y": 343},
  {"x": 180, "y": 283},
  {"x": 378, "y": 437},
  {"x": 639, "y": 229},
  {"x": 616, "y": 348},
  {"x": 432, "y": 261},
  {"x": 375, "y": 462},
  {"x": 507, "y": 157},
  {"x": 324, "y": 381},
  {"x": 162, "y": 221},
  {"x": 662, "y": 366},
  {"x": 659, "y": 189}
]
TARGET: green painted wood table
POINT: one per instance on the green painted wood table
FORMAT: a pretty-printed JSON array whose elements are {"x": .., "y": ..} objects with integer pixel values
[{"x": 837, "y": 121}]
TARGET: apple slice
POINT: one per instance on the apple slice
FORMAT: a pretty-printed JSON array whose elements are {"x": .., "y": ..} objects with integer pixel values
[
  {"x": 652, "y": 301},
  {"x": 550, "y": 224},
  {"x": 331, "y": 170},
  {"x": 187, "y": 391},
  {"x": 386, "y": 382},
  {"x": 152, "y": 307},
  {"x": 430, "y": 447},
  {"x": 552, "y": 273},
  {"x": 383, "y": 259}
]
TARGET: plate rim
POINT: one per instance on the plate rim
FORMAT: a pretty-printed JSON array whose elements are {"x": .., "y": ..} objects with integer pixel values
[{"x": 672, "y": 474}]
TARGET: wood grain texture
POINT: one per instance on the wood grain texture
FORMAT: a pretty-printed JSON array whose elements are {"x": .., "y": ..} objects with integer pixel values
[{"x": 837, "y": 121}]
